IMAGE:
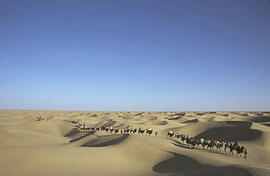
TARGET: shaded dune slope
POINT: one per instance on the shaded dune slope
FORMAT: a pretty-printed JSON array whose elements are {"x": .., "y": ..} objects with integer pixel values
[
  {"x": 238, "y": 131},
  {"x": 103, "y": 141},
  {"x": 192, "y": 167}
]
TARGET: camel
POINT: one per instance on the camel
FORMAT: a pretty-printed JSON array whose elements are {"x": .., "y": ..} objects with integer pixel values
[
  {"x": 170, "y": 133},
  {"x": 126, "y": 130},
  {"x": 183, "y": 138},
  {"x": 210, "y": 144},
  {"x": 231, "y": 147},
  {"x": 240, "y": 150},
  {"x": 111, "y": 129},
  {"x": 218, "y": 145},
  {"x": 201, "y": 142},
  {"x": 92, "y": 128},
  {"x": 149, "y": 131},
  {"x": 141, "y": 131},
  {"x": 116, "y": 130},
  {"x": 227, "y": 145},
  {"x": 177, "y": 135},
  {"x": 133, "y": 130}
]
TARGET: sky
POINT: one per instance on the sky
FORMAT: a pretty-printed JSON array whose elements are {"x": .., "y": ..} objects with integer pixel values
[{"x": 135, "y": 55}]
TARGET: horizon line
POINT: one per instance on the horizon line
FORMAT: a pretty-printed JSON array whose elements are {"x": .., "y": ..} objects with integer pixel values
[{"x": 127, "y": 110}]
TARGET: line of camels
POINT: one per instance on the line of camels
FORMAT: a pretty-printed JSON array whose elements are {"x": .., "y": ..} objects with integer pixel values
[
  {"x": 184, "y": 139},
  {"x": 210, "y": 144}
]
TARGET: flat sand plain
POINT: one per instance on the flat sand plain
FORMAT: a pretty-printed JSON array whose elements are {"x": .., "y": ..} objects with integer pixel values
[{"x": 54, "y": 147}]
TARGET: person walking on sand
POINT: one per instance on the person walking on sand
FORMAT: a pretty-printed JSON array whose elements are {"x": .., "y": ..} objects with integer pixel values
[
  {"x": 245, "y": 153},
  {"x": 156, "y": 133}
]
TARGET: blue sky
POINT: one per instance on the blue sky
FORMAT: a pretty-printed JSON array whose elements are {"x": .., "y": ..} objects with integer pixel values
[{"x": 143, "y": 55}]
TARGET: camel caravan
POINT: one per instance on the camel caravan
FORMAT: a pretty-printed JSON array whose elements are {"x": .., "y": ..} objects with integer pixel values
[
  {"x": 210, "y": 144},
  {"x": 85, "y": 127},
  {"x": 184, "y": 139}
]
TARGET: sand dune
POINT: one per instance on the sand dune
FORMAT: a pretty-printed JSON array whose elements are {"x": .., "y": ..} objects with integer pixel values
[{"x": 52, "y": 146}]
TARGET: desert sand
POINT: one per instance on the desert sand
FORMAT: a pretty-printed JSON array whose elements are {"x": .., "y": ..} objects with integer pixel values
[{"x": 52, "y": 146}]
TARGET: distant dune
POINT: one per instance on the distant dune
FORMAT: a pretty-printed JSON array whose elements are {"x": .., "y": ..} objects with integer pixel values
[{"x": 44, "y": 143}]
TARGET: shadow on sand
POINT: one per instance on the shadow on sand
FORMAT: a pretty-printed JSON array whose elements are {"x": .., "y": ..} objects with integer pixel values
[
  {"x": 261, "y": 119},
  {"x": 76, "y": 134},
  {"x": 240, "y": 131},
  {"x": 191, "y": 121},
  {"x": 183, "y": 165},
  {"x": 267, "y": 124},
  {"x": 106, "y": 141},
  {"x": 72, "y": 132}
]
